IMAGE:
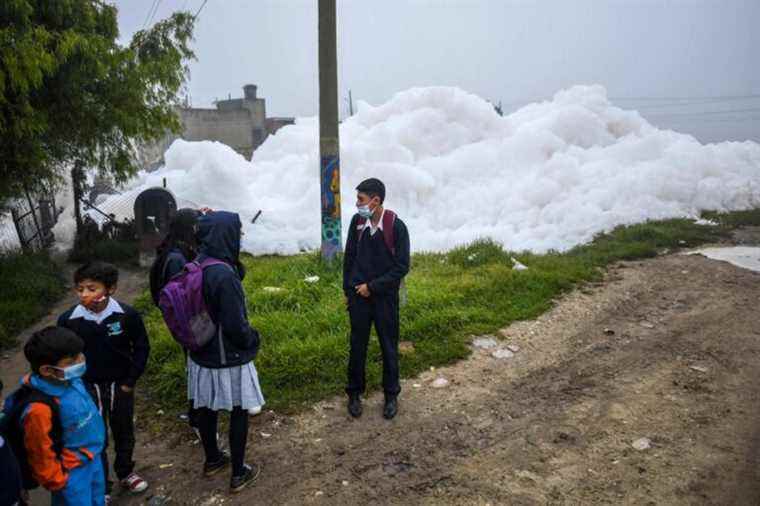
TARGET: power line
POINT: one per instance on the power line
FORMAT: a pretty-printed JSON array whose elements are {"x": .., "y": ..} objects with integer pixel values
[
  {"x": 147, "y": 17},
  {"x": 200, "y": 9},
  {"x": 151, "y": 15}
]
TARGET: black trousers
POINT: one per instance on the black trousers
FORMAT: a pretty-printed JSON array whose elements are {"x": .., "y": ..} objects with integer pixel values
[
  {"x": 117, "y": 408},
  {"x": 383, "y": 311}
]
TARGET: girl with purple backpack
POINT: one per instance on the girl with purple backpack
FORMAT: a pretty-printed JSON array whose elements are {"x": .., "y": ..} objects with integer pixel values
[
  {"x": 221, "y": 374},
  {"x": 177, "y": 249}
]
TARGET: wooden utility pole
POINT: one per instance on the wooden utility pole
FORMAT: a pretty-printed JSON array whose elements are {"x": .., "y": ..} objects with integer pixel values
[{"x": 329, "y": 147}]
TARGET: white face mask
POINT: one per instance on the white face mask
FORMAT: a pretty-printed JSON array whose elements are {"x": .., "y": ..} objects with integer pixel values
[{"x": 365, "y": 211}]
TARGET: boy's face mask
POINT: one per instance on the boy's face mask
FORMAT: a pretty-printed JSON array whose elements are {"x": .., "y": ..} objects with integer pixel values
[
  {"x": 366, "y": 209},
  {"x": 67, "y": 372},
  {"x": 73, "y": 371}
]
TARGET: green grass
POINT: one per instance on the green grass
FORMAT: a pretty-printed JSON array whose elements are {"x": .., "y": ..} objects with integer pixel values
[
  {"x": 30, "y": 284},
  {"x": 452, "y": 296}
]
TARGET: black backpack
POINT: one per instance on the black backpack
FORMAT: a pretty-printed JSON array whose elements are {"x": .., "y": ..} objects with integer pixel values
[{"x": 13, "y": 431}]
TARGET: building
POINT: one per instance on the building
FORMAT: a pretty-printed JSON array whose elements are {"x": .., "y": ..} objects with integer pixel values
[{"x": 241, "y": 123}]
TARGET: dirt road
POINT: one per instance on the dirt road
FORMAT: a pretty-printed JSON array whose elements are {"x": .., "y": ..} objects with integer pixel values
[{"x": 664, "y": 353}]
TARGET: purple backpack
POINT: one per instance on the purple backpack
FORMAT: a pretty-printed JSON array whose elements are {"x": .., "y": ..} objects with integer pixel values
[{"x": 185, "y": 312}]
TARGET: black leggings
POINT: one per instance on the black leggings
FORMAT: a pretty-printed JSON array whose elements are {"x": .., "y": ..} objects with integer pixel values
[{"x": 207, "y": 426}]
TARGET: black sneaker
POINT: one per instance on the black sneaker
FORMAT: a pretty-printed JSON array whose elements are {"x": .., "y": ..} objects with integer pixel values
[
  {"x": 238, "y": 483},
  {"x": 211, "y": 468},
  {"x": 355, "y": 405},
  {"x": 391, "y": 407}
]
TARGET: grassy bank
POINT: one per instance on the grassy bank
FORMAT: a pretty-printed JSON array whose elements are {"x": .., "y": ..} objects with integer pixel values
[
  {"x": 30, "y": 284},
  {"x": 469, "y": 290}
]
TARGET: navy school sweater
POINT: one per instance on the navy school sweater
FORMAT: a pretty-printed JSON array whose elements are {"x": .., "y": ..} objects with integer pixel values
[
  {"x": 368, "y": 260},
  {"x": 116, "y": 348},
  {"x": 219, "y": 238}
]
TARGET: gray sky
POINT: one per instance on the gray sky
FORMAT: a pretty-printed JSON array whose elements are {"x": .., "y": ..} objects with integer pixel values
[{"x": 650, "y": 54}]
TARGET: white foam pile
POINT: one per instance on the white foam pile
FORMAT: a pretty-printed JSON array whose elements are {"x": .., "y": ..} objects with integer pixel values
[{"x": 549, "y": 176}]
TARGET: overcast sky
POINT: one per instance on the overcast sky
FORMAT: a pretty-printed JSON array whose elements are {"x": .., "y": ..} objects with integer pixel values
[{"x": 650, "y": 55}]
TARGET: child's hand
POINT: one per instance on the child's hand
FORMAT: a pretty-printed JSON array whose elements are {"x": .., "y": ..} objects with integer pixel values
[{"x": 363, "y": 290}]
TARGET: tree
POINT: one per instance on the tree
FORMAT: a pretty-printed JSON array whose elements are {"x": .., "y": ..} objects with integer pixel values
[{"x": 71, "y": 96}]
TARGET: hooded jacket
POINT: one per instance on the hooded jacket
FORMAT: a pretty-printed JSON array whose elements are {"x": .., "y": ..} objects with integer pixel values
[
  {"x": 237, "y": 342},
  {"x": 83, "y": 431}
]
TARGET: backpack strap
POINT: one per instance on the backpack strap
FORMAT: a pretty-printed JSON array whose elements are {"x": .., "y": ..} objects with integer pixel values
[
  {"x": 31, "y": 395},
  {"x": 389, "y": 233}
]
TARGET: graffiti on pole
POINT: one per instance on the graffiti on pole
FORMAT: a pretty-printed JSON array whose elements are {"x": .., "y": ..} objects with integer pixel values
[{"x": 330, "y": 185}]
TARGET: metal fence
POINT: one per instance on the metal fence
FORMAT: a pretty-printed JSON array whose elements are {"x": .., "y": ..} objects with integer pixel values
[{"x": 33, "y": 217}]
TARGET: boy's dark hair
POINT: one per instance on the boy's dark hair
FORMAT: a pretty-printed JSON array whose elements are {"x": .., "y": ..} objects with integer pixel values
[
  {"x": 98, "y": 271},
  {"x": 50, "y": 345},
  {"x": 372, "y": 187}
]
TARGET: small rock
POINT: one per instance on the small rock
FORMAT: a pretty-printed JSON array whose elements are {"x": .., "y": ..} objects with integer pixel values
[
  {"x": 485, "y": 342},
  {"x": 345, "y": 483},
  {"x": 699, "y": 368},
  {"x": 517, "y": 266},
  {"x": 642, "y": 444},
  {"x": 165, "y": 466},
  {"x": 527, "y": 475},
  {"x": 502, "y": 354},
  {"x": 160, "y": 412},
  {"x": 311, "y": 279},
  {"x": 266, "y": 435},
  {"x": 440, "y": 383},
  {"x": 609, "y": 332},
  {"x": 319, "y": 493},
  {"x": 406, "y": 347},
  {"x": 417, "y": 385},
  {"x": 513, "y": 348},
  {"x": 157, "y": 500},
  {"x": 647, "y": 325}
]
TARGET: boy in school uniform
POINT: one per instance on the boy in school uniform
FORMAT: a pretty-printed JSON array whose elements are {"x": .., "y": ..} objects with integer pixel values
[
  {"x": 116, "y": 347},
  {"x": 375, "y": 263},
  {"x": 53, "y": 423}
]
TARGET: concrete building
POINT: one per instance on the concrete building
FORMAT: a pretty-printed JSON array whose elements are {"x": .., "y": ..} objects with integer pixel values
[{"x": 241, "y": 123}]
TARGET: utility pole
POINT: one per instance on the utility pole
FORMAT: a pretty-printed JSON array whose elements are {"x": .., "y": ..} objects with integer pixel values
[
  {"x": 329, "y": 147},
  {"x": 350, "y": 104}
]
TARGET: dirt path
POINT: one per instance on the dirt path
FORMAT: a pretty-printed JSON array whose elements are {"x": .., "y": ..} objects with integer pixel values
[
  {"x": 552, "y": 425},
  {"x": 667, "y": 349}
]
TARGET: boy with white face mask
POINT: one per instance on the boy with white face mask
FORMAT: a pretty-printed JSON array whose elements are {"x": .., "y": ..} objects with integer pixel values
[
  {"x": 374, "y": 266},
  {"x": 53, "y": 425}
]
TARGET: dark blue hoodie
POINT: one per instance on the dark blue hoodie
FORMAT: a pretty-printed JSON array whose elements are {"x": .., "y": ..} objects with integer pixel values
[{"x": 219, "y": 237}]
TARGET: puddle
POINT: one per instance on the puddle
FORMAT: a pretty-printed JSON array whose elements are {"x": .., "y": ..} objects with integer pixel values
[{"x": 746, "y": 257}]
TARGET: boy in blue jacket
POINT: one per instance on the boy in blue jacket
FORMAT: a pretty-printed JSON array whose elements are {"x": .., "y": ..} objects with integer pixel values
[{"x": 62, "y": 433}]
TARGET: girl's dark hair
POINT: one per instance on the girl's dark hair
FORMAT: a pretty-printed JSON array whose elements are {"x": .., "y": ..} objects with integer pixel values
[
  {"x": 181, "y": 236},
  {"x": 98, "y": 271},
  {"x": 50, "y": 345}
]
